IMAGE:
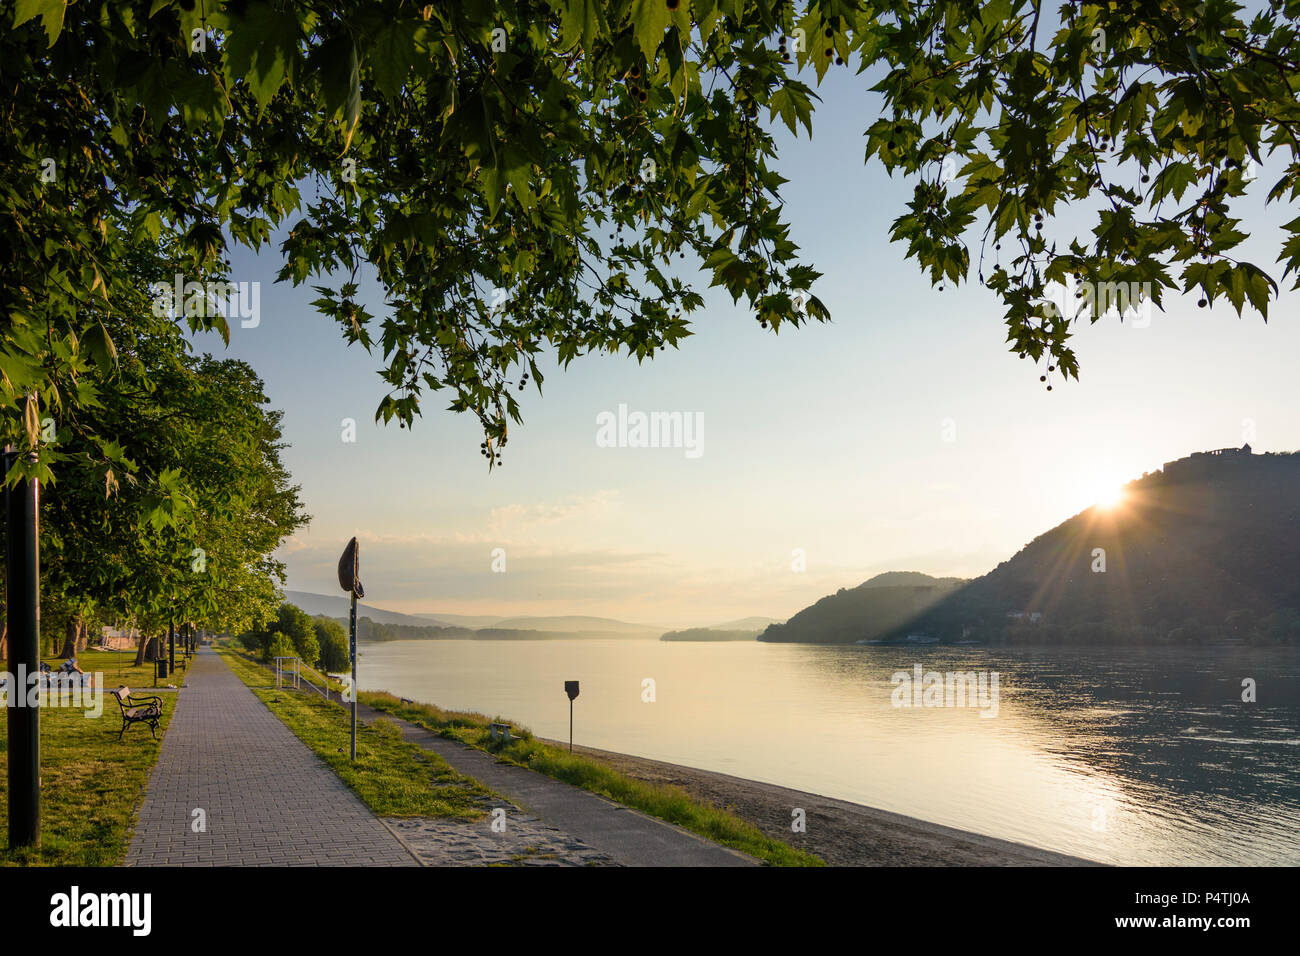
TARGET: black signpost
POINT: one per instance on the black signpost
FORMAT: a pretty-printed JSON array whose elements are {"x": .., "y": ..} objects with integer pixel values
[
  {"x": 571, "y": 688},
  {"x": 349, "y": 569},
  {"x": 23, "y": 611}
]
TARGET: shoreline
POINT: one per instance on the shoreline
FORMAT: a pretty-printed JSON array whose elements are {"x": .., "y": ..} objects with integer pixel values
[{"x": 840, "y": 832}]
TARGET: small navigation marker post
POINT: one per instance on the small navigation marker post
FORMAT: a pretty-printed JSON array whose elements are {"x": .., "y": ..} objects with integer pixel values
[
  {"x": 571, "y": 688},
  {"x": 349, "y": 580}
]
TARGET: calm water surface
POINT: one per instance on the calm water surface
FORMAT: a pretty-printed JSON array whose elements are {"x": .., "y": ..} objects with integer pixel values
[{"x": 1127, "y": 757}]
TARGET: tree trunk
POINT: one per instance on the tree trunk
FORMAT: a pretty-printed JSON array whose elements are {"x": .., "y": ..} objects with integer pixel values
[
  {"x": 70, "y": 639},
  {"x": 141, "y": 643},
  {"x": 4, "y": 644},
  {"x": 83, "y": 636}
]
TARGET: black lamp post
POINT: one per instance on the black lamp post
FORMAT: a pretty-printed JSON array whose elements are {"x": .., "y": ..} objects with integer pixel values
[
  {"x": 22, "y": 604},
  {"x": 349, "y": 569}
]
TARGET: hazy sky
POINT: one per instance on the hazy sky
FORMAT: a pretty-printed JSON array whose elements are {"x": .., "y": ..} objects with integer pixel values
[{"x": 830, "y": 439}]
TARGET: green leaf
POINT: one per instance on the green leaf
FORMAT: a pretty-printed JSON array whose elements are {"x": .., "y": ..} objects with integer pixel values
[
  {"x": 352, "y": 111},
  {"x": 261, "y": 48},
  {"x": 582, "y": 18},
  {"x": 491, "y": 181},
  {"x": 100, "y": 346},
  {"x": 392, "y": 56},
  {"x": 650, "y": 19},
  {"x": 1174, "y": 178},
  {"x": 50, "y": 11},
  {"x": 330, "y": 63},
  {"x": 201, "y": 101}
]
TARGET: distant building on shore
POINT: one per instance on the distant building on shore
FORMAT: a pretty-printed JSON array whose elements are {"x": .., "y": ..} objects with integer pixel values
[
  {"x": 1033, "y": 617},
  {"x": 1200, "y": 463},
  {"x": 119, "y": 639}
]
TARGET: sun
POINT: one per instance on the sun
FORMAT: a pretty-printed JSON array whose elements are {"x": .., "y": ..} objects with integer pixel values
[
  {"x": 1098, "y": 487},
  {"x": 1110, "y": 497}
]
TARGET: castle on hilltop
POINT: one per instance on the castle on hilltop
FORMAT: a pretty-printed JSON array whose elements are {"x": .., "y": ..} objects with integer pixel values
[{"x": 1198, "y": 463}]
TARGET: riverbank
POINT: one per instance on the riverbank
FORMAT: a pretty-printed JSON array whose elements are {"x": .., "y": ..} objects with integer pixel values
[
  {"x": 558, "y": 809},
  {"x": 717, "y": 806},
  {"x": 841, "y": 833}
]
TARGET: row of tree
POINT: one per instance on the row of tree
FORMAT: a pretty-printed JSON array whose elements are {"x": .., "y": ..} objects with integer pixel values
[
  {"x": 320, "y": 641},
  {"x": 370, "y": 630},
  {"x": 179, "y": 522}
]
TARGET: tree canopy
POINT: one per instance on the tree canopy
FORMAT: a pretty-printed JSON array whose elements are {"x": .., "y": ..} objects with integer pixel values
[
  {"x": 335, "y": 654},
  {"x": 542, "y": 176},
  {"x": 290, "y": 633},
  {"x": 189, "y": 530}
]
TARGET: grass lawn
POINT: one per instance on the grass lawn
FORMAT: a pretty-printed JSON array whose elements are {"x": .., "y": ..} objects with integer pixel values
[
  {"x": 91, "y": 782},
  {"x": 394, "y": 777},
  {"x": 665, "y": 802},
  {"x": 118, "y": 667}
]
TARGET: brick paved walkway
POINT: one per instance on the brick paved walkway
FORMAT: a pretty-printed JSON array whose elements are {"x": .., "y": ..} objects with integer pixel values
[{"x": 269, "y": 800}]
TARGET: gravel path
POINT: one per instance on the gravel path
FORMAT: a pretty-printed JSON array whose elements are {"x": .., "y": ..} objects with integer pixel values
[{"x": 520, "y": 840}]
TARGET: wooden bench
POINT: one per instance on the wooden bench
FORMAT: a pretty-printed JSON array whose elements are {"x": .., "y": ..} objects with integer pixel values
[
  {"x": 500, "y": 731},
  {"x": 138, "y": 710}
]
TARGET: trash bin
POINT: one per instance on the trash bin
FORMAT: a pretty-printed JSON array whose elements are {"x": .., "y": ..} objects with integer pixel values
[{"x": 162, "y": 668}]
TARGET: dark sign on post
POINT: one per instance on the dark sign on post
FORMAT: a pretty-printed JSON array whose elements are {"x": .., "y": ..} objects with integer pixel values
[
  {"x": 350, "y": 581},
  {"x": 571, "y": 688},
  {"x": 350, "y": 569}
]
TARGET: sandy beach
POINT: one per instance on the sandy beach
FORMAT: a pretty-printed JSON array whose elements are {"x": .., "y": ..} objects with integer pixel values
[{"x": 841, "y": 833}]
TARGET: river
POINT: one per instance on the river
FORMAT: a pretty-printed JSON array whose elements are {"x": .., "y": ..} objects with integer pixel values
[{"x": 1133, "y": 757}]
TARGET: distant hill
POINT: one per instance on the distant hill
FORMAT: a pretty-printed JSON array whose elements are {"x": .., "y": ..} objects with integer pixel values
[
  {"x": 533, "y": 634},
  {"x": 1205, "y": 550},
  {"x": 709, "y": 634},
  {"x": 392, "y": 625},
  {"x": 330, "y": 605},
  {"x": 576, "y": 624},
  {"x": 872, "y": 610},
  {"x": 368, "y": 630},
  {"x": 914, "y": 579},
  {"x": 742, "y": 629},
  {"x": 462, "y": 620},
  {"x": 754, "y": 624}
]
